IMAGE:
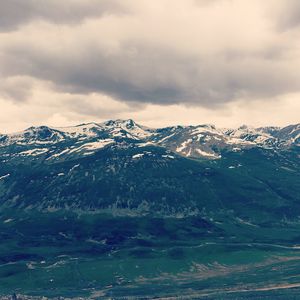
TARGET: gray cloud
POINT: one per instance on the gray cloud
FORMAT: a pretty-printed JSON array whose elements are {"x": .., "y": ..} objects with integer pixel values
[
  {"x": 187, "y": 54},
  {"x": 149, "y": 74},
  {"x": 288, "y": 15},
  {"x": 14, "y": 13},
  {"x": 15, "y": 88}
]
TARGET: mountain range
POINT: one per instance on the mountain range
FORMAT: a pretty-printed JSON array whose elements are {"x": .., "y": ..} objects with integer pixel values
[
  {"x": 121, "y": 165},
  {"x": 202, "y": 141},
  {"x": 116, "y": 210}
]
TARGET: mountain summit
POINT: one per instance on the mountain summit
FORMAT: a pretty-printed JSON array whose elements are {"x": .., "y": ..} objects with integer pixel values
[{"x": 202, "y": 141}]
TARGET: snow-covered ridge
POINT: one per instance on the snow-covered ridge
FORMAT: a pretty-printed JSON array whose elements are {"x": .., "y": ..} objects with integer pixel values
[
  {"x": 205, "y": 141},
  {"x": 86, "y": 130},
  {"x": 115, "y": 128}
]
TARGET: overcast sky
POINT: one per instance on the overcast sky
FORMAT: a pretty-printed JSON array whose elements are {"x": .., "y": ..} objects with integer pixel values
[{"x": 160, "y": 62}]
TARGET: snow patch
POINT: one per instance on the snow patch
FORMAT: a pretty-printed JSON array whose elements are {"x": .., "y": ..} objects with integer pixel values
[
  {"x": 139, "y": 155},
  {"x": 166, "y": 138},
  {"x": 183, "y": 145},
  {"x": 5, "y": 176},
  {"x": 92, "y": 146},
  {"x": 83, "y": 130},
  {"x": 7, "y": 221},
  {"x": 74, "y": 167},
  {"x": 207, "y": 154},
  {"x": 58, "y": 154},
  {"x": 34, "y": 152},
  {"x": 168, "y": 156},
  {"x": 146, "y": 144}
]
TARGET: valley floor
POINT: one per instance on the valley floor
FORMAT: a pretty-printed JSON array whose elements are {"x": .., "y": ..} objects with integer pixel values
[{"x": 66, "y": 258}]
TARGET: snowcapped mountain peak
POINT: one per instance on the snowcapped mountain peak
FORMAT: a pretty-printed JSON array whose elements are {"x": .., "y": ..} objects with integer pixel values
[
  {"x": 245, "y": 127},
  {"x": 34, "y": 134},
  {"x": 209, "y": 126},
  {"x": 81, "y": 130},
  {"x": 37, "y": 128},
  {"x": 119, "y": 123},
  {"x": 291, "y": 132},
  {"x": 269, "y": 129},
  {"x": 204, "y": 128},
  {"x": 126, "y": 129},
  {"x": 190, "y": 141},
  {"x": 42, "y": 133},
  {"x": 30, "y": 131},
  {"x": 129, "y": 123}
]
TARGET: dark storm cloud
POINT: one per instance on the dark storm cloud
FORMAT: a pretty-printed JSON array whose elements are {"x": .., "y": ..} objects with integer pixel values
[
  {"x": 192, "y": 54},
  {"x": 14, "y": 13},
  {"x": 155, "y": 75},
  {"x": 150, "y": 75}
]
